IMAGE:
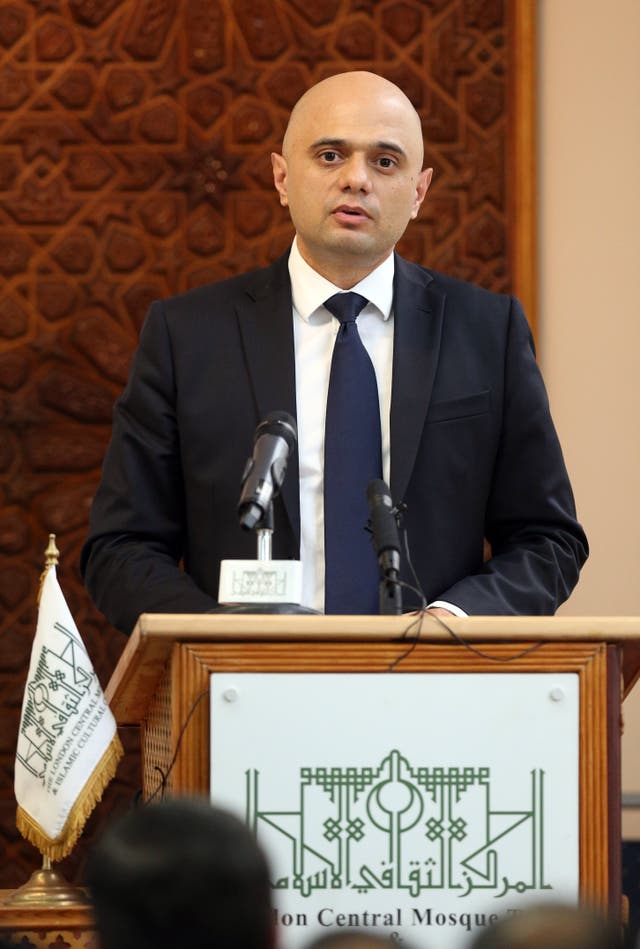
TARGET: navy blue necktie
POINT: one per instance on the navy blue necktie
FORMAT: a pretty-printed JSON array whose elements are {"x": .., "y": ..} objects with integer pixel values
[{"x": 352, "y": 457}]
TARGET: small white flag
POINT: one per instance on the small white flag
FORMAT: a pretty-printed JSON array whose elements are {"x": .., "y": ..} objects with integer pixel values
[{"x": 68, "y": 747}]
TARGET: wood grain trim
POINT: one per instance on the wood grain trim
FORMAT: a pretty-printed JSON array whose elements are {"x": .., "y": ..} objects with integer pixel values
[
  {"x": 521, "y": 156},
  {"x": 377, "y": 657},
  {"x": 191, "y": 679},
  {"x": 614, "y": 772},
  {"x": 154, "y": 627},
  {"x": 594, "y": 796}
]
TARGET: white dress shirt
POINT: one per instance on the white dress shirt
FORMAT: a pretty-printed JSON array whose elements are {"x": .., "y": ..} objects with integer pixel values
[{"x": 314, "y": 332}]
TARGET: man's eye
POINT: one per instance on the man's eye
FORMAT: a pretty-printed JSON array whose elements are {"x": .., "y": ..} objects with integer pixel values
[
  {"x": 329, "y": 156},
  {"x": 386, "y": 162}
]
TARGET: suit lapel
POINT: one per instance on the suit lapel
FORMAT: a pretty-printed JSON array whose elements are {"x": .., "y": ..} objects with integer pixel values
[
  {"x": 266, "y": 327},
  {"x": 418, "y": 316}
]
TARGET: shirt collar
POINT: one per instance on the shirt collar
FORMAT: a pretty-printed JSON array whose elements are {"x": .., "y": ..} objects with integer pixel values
[{"x": 309, "y": 289}]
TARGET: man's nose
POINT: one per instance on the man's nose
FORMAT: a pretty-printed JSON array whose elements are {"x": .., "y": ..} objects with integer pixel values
[{"x": 356, "y": 174}]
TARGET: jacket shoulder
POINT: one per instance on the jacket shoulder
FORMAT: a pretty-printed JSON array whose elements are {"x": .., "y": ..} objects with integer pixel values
[
  {"x": 454, "y": 287},
  {"x": 213, "y": 297}
]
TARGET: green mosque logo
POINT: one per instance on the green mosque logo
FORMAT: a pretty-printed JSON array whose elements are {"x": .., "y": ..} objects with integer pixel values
[{"x": 400, "y": 827}]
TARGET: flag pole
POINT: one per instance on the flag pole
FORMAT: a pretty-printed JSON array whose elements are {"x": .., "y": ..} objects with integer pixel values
[{"x": 46, "y": 886}]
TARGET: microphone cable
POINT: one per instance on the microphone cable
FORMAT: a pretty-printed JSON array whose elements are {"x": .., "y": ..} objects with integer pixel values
[{"x": 422, "y": 612}]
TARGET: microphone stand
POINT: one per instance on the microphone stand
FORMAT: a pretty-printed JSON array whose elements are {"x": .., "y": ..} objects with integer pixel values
[
  {"x": 390, "y": 593},
  {"x": 264, "y": 534},
  {"x": 264, "y": 543}
]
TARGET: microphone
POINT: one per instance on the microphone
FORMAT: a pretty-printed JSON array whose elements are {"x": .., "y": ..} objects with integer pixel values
[
  {"x": 384, "y": 527},
  {"x": 273, "y": 442}
]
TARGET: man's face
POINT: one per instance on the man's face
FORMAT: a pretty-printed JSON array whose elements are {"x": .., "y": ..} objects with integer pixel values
[{"x": 351, "y": 173}]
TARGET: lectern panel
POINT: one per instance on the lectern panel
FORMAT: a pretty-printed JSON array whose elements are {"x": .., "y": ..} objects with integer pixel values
[{"x": 420, "y": 806}]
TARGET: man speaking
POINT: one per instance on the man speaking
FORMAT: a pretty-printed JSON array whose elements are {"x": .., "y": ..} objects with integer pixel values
[{"x": 391, "y": 370}]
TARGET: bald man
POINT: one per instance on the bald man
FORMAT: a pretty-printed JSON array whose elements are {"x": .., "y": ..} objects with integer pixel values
[
  {"x": 373, "y": 154},
  {"x": 465, "y": 437}
]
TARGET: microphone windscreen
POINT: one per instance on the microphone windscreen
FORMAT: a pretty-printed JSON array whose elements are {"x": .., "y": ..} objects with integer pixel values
[
  {"x": 379, "y": 493},
  {"x": 278, "y": 423}
]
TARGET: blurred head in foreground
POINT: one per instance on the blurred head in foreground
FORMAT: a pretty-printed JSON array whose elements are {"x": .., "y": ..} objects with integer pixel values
[
  {"x": 180, "y": 873},
  {"x": 354, "y": 939},
  {"x": 551, "y": 926}
]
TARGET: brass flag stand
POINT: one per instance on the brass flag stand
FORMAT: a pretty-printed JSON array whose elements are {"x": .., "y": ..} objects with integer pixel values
[{"x": 47, "y": 887}]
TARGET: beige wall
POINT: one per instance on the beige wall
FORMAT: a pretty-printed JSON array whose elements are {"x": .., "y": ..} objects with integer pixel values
[{"x": 589, "y": 314}]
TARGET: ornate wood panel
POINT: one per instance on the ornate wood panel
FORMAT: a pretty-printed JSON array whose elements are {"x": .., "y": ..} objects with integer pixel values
[{"x": 135, "y": 137}]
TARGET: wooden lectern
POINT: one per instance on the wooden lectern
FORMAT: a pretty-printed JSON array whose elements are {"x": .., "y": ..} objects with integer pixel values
[{"x": 162, "y": 683}]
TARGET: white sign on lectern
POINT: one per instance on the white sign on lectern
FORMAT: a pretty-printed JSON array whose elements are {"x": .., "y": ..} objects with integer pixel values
[{"x": 420, "y": 805}]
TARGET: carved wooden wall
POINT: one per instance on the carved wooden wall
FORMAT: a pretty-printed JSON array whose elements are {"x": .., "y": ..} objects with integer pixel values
[{"x": 134, "y": 163}]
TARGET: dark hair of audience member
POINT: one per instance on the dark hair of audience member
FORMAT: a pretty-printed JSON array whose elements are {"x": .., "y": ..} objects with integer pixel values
[
  {"x": 351, "y": 938},
  {"x": 551, "y": 926},
  {"x": 180, "y": 873}
]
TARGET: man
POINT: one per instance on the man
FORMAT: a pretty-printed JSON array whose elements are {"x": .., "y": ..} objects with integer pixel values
[
  {"x": 180, "y": 873},
  {"x": 350, "y": 938},
  {"x": 552, "y": 925},
  {"x": 464, "y": 436}
]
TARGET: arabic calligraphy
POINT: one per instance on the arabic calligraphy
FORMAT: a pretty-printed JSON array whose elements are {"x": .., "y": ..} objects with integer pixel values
[{"x": 400, "y": 827}]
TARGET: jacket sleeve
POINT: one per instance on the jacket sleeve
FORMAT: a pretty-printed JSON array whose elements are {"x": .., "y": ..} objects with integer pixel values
[
  {"x": 538, "y": 546},
  {"x": 130, "y": 560}
]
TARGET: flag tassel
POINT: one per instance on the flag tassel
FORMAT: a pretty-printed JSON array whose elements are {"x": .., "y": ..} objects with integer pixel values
[
  {"x": 60, "y": 847},
  {"x": 47, "y": 886}
]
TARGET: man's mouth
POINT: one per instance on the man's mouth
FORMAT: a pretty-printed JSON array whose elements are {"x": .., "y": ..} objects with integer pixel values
[{"x": 350, "y": 214}]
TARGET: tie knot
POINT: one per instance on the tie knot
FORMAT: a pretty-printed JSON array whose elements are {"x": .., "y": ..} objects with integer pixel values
[{"x": 346, "y": 306}]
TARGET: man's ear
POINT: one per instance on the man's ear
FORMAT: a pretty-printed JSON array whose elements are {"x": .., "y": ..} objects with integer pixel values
[
  {"x": 422, "y": 186},
  {"x": 279, "y": 165}
]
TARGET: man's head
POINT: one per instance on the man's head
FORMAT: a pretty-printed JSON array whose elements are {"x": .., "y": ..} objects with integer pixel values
[
  {"x": 180, "y": 873},
  {"x": 551, "y": 926},
  {"x": 351, "y": 173},
  {"x": 351, "y": 938}
]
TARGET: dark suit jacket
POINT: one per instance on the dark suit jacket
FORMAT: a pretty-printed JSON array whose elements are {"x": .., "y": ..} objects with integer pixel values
[{"x": 474, "y": 453}]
